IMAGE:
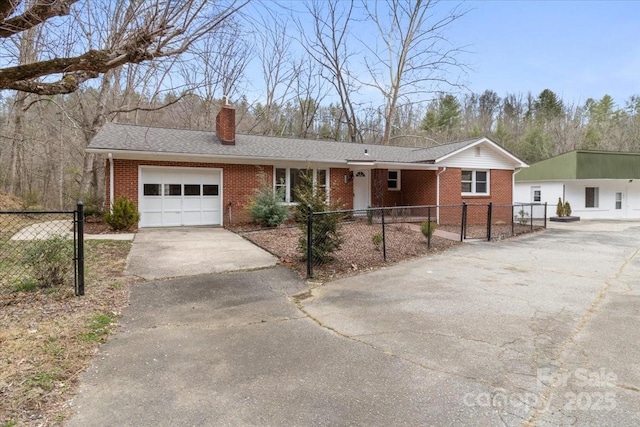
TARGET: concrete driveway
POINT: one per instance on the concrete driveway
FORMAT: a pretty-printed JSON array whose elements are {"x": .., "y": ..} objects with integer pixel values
[
  {"x": 540, "y": 330},
  {"x": 158, "y": 253}
]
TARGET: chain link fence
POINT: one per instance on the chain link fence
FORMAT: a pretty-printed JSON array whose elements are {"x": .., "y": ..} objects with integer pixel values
[
  {"x": 41, "y": 249},
  {"x": 356, "y": 239}
]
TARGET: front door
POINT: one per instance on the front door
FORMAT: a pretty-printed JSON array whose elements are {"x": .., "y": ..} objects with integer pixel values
[
  {"x": 361, "y": 189},
  {"x": 620, "y": 210}
]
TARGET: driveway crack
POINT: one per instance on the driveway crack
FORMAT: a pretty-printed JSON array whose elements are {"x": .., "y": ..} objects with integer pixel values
[{"x": 570, "y": 341}]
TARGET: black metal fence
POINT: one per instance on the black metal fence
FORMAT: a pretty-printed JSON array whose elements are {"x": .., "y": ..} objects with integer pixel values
[
  {"x": 337, "y": 240},
  {"x": 41, "y": 249}
]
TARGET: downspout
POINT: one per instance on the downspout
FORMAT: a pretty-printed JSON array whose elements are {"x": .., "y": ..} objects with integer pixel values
[
  {"x": 513, "y": 182},
  {"x": 438, "y": 195},
  {"x": 110, "y": 182}
]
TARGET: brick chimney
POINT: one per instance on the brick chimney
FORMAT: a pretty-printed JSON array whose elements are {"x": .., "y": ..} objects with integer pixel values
[{"x": 226, "y": 124}]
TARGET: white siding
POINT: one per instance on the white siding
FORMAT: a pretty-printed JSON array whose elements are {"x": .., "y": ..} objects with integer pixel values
[
  {"x": 488, "y": 158},
  {"x": 574, "y": 192},
  {"x": 549, "y": 192}
]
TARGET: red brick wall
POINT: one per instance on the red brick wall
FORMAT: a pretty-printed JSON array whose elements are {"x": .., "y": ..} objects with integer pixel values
[
  {"x": 418, "y": 187},
  {"x": 501, "y": 193},
  {"x": 239, "y": 183},
  {"x": 340, "y": 192},
  {"x": 380, "y": 193}
]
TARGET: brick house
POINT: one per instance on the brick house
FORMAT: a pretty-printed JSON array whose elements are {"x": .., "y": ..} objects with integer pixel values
[{"x": 185, "y": 177}]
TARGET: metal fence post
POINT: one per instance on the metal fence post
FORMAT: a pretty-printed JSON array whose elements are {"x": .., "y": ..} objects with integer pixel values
[
  {"x": 463, "y": 226},
  {"x": 80, "y": 260},
  {"x": 531, "y": 216},
  {"x": 384, "y": 239},
  {"x": 545, "y": 214},
  {"x": 429, "y": 227},
  {"x": 513, "y": 220},
  {"x": 309, "y": 241},
  {"x": 489, "y": 213}
]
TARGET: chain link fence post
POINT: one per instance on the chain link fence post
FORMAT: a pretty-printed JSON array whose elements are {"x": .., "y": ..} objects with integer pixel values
[
  {"x": 489, "y": 214},
  {"x": 80, "y": 258},
  {"x": 429, "y": 227},
  {"x": 309, "y": 241},
  {"x": 384, "y": 238}
]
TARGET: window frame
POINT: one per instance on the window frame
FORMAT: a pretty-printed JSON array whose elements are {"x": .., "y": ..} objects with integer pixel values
[
  {"x": 596, "y": 197},
  {"x": 474, "y": 182},
  {"x": 397, "y": 180},
  {"x": 288, "y": 190},
  {"x": 534, "y": 190}
]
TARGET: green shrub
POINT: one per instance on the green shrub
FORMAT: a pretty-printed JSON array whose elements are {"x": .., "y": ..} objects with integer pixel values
[
  {"x": 377, "y": 239},
  {"x": 326, "y": 238},
  {"x": 567, "y": 209},
  {"x": 523, "y": 217},
  {"x": 560, "y": 208},
  {"x": 427, "y": 228},
  {"x": 266, "y": 206},
  {"x": 124, "y": 215},
  {"x": 50, "y": 260},
  {"x": 93, "y": 205}
]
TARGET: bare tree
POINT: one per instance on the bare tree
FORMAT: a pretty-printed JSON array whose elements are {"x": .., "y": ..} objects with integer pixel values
[
  {"x": 279, "y": 71},
  {"x": 144, "y": 30},
  {"x": 414, "y": 56},
  {"x": 328, "y": 46},
  {"x": 310, "y": 91}
]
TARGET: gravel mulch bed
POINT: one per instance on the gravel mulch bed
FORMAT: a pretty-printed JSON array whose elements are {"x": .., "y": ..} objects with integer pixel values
[
  {"x": 358, "y": 252},
  {"x": 498, "y": 231}
]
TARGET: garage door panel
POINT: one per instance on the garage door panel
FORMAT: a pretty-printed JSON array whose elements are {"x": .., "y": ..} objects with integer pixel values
[
  {"x": 151, "y": 219},
  {"x": 177, "y": 196},
  {"x": 152, "y": 204}
]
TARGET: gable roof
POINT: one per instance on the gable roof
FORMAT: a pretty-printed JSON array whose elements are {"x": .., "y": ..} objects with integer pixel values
[
  {"x": 133, "y": 139},
  {"x": 584, "y": 164}
]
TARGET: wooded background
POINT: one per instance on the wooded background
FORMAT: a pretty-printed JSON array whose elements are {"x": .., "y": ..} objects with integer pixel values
[{"x": 70, "y": 66}]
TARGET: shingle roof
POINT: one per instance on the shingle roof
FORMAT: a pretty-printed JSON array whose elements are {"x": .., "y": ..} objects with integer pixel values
[{"x": 144, "y": 139}]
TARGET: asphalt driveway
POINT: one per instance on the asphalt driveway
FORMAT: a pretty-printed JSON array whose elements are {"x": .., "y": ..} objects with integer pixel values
[{"x": 539, "y": 330}]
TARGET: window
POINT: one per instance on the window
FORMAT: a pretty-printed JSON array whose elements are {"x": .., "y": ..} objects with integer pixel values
[
  {"x": 288, "y": 179},
  {"x": 393, "y": 180},
  {"x": 173, "y": 190},
  {"x": 281, "y": 182},
  {"x": 296, "y": 177},
  {"x": 475, "y": 182},
  {"x": 618, "y": 201},
  {"x": 209, "y": 190},
  {"x": 591, "y": 197},
  {"x": 192, "y": 189},
  {"x": 321, "y": 179},
  {"x": 536, "y": 195},
  {"x": 151, "y": 189}
]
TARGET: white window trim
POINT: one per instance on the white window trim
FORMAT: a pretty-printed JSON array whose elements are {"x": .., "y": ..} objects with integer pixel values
[
  {"x": 397, "y": 180},
  {"x": 473, "y": 183},
  {"x": 533, "y": 194},
  {"x": 288, "y": 189}
]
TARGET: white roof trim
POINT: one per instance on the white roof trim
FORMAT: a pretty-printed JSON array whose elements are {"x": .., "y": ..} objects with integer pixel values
[{"x": 504, "y": 152}]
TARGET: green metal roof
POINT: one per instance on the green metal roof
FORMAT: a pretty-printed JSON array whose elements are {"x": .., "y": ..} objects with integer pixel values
[{"x": 582, "y": 164}]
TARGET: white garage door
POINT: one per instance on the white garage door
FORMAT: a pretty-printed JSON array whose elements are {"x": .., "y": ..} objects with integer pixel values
[{"x": 172, "y": 197}]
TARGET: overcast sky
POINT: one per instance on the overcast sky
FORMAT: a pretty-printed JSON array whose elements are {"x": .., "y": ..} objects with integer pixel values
[{"x": 578, "y": 49}]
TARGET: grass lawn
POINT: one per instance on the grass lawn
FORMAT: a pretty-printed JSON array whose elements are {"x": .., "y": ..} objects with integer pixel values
[{"x": 48, "y": 336}]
